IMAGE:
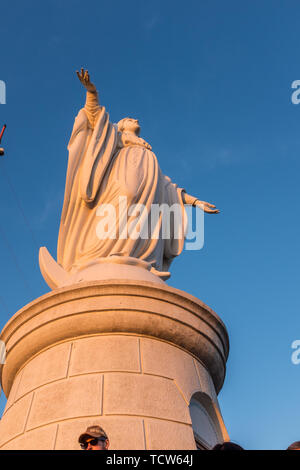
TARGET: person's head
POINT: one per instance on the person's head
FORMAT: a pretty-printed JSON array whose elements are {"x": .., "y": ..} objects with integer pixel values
[
  {"x": 129, "y": 125},
  {"x": 294, "y": 446},
  {"x": 94, "y": 438},
  {"x": 227, "y": 446}
]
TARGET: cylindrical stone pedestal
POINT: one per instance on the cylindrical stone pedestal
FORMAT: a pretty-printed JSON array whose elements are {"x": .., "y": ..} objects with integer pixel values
[{"x": 144, "y": 361}]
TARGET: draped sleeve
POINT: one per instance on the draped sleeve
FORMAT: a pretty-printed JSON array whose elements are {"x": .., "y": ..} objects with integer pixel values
[
  {"x": 99, "y": 153},
  {"x": 91, "y": 150}
]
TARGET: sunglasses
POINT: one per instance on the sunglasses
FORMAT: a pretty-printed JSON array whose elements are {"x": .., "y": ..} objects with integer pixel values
[{"x": 93, "y": 442}]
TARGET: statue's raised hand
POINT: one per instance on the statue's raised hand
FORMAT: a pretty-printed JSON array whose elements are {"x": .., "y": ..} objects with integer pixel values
[{"x": 84, "y": 78}]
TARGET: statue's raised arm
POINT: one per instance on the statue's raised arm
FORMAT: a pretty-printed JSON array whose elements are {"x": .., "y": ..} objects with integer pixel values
[{"x": 92, "y": 106}]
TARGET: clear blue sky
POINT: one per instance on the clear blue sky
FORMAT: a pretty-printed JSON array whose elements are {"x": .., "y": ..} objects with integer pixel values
[{"x": 210, "y": 82}]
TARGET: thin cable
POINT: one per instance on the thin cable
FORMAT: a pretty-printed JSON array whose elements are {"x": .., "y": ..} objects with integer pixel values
[
  {"x": 14, "y": 257},
  {"x": 20, "y": 207}
]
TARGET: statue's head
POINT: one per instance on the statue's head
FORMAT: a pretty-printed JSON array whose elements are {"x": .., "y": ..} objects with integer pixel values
[{"x": 129, "y": 125}]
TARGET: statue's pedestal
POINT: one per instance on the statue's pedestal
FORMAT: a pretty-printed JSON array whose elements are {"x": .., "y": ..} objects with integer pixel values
[{"x": 135, "y": 357}]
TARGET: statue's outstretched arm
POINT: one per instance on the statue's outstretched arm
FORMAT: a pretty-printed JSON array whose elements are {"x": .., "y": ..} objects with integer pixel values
[
  {"x": 92, "y": 106},
  {"x": 205, "y": 206}
]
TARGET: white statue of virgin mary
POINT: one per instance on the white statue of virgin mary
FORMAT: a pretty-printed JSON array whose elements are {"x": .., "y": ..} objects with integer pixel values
[{"x": 113, "y": 183}]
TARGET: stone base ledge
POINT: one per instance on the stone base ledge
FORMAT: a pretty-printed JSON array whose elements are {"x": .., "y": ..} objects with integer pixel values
[{"x": 139, "y": 308}]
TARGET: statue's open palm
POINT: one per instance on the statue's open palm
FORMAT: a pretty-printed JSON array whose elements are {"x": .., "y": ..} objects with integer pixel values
[
  {"x": 206, "y": 207},
  {"x": 84, "y": 78}
]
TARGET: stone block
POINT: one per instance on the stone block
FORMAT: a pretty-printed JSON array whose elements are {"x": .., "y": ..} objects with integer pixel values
[
  {"x": 167, "y": 435},
  {"x": 46, "y": 367},
  {"x": 105, "y": 353},
  {"x": 39, "y": 439},
  {"x": 206, "y": 383},
  {"x": 143, "y": 395},
  {"x": 13, "y": 391},
  {"x": 160, "y": 358},
  {"x": 13, "y": 422},
  {"x": 74, "y": 397}
]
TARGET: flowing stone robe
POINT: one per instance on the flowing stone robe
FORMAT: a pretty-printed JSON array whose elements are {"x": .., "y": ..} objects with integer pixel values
[{"x": 102, "y": 171}]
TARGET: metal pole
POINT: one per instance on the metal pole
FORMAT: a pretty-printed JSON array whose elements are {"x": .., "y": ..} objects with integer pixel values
[{"x": 1, "y": 135}]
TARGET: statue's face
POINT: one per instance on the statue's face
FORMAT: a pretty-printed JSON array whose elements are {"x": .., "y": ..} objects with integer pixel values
[{"x": 132, "y": 125}]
